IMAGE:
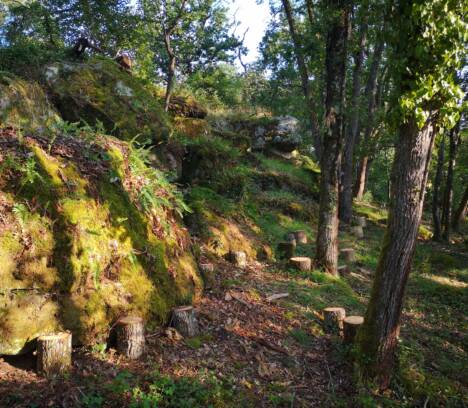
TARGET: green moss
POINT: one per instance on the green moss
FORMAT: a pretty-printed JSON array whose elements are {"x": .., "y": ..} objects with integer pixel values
[
  {"x": 92, "y": 243},
  {"x": 99, "y": 90},
  {"x": 23, "y": 105}
]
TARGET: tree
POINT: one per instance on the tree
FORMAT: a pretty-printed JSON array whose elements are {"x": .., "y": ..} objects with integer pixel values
[
  {"x": 57, "y": 22},
  {"x": 304, "y": 74},
  {"x": 426, "y": 96},
  {"x": 436, "y": 217},
  {"x": 193, "y": 33},
  {"x": 335, "y": 67},
  {"x": 460, "y": 212},
  {"x": 346, "y": 185},
  {"x": 370, "y": 94},
  {"x": 454, "y": 142}
]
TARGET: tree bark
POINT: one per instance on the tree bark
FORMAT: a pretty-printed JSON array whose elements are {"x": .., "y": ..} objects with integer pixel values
[
  {"x": 301, "y": 263},
  {"x": 460, "y": 212},
  {"x": 370, "y": 94},
  {"x": 300, "y": 237},
  {"x": 454, "y": 140},
  {"x": 346, "y": 193},
  {"x": 435, "y": 196},
  {"x": 169, "y": 28},
  {"x": 304, "y": 74},
  {"x": 185, "y": 321},
  {"x": 54, "y": 354},
  {"x": 378, "y": 337},
  {"x": 348, "y": 254},
  {"x": 171, "y": 68},
  {"x": 351, "y": 325},
  {"x": 130, "y": 337},
  {"x": 333, "y": 319},
  {"x": 335, "y": 64}
]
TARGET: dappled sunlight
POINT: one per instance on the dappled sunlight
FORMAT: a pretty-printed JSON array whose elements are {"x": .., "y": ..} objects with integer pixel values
[{"x": 446, "y": 281}]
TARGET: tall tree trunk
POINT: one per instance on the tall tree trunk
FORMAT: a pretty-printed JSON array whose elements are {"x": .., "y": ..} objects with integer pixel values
[
  {"x": 304, "y": 74},
  {"x": 310, "y": 11},
  {"x": 460, "y": 212},
  {"x": 454, "y": 139},
  {"x": 346, "y": 190},
  {"x": 335, "y": 65},
  {"x": 378, "y": 337},
  {"x": 171, "y": 68},
  {"x": 435, "y": 196},
  {"x": 370, "y": 94}
]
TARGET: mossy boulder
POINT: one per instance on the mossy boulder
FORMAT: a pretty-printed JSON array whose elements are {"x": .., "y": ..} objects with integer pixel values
[
  {"x": 88, "y": 232},
  {"x": 23, "y": 105},
  {"x": 98, "y": 90}
]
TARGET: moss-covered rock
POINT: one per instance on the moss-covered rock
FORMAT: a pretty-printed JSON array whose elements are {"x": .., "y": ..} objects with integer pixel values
[
  {"x": 98, "y": 90},
  {"x": 24, "y": 105},
  {"x": 88, "y": 232}
]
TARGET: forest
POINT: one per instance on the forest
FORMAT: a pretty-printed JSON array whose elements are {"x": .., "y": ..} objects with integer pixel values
[{"x": 192, "y": 218}]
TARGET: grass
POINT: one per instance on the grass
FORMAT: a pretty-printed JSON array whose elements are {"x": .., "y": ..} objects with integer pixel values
[{"x": 432, "y": 353}]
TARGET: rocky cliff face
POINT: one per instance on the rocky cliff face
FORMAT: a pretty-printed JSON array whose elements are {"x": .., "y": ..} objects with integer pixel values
[{"x": 88, "y": 231}]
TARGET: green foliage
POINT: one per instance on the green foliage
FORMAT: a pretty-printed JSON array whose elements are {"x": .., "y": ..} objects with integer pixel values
[
  {"x": 158, "y": 390},
  {"x": 156, "y": 193},
  {"x": 27, "y": 59},
  {"x": 221, "y": 86},
  {"x": 424, "y": 67}
]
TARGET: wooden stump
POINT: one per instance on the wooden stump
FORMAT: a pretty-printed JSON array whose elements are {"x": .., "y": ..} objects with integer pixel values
[
  {"x": 301, "y": 263},
  {"x": 301, "y": 237},
  {"x": 290, "y": 237},
  {"x": 287, "y": 249},
  {"x": 351, "y": 325},
  {"x": 361, "y": 221},
  {"x": 348, "y": 254},
  {"x": 206, "y": 267},
  {"x": 238, "y": 258},
  {"x": 185, "y": 321},
  {"x": 207, "y": 271},
  {"x": 357, "y": 231},
  {"x": 130, "y": 332},
  {"x": 333, "y": 319},
  {"x": 54, "y": 354},
  {"x": 343, "y": 270}
]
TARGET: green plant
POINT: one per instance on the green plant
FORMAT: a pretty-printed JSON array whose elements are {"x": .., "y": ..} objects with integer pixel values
[
  {"x": 21, "y": 213},
  {"x": 156, "y": 193}
]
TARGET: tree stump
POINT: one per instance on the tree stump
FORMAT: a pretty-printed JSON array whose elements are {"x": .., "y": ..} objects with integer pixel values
[
  {"x": 357, "y": 231},
  {"x": 287, "y": 249},
  {"x": 301, "y": 237},
  {"x": 290, "y": 237},
  {"x": 130, "y": 332},
  {"x": 361, "y": 221},
  {"x": 343, "y": 270},
  {"x": 208, "y": 274},
  {"x": 185, "y": 321},
  {"x": 348, "y": 254},
  {"x": 54, "y": 354},
  {"x": 333, "y": 319},
  {"x": 301, "y": 263},
  {"x": 351, "y": 325},
  {"x": 238, "y": 258}
]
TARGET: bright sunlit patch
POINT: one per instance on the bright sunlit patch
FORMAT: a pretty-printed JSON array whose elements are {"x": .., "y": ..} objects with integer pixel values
[{"x": 446, "y": 281}]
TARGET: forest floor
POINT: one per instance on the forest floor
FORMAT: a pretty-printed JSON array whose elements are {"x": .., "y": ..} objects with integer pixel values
[{"x": 256, "y": 353}]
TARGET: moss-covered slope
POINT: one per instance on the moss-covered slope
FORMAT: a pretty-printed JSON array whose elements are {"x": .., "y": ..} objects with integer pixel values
[
  {"x": 88, "y": 232},
  {"x": 98, "y": 90},
  {"x": 24, "y": 105}
]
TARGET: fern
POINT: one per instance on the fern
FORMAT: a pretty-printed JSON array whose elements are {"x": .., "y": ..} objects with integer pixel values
[
  {"x": 158, "y": 193},
  {"x": 21, "y": 213},
  {"x": 30, "y": 174}
]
